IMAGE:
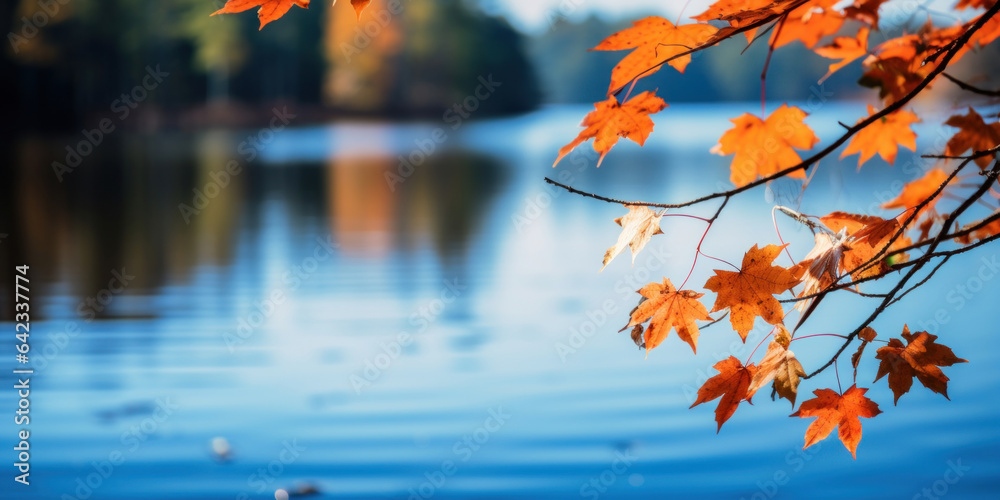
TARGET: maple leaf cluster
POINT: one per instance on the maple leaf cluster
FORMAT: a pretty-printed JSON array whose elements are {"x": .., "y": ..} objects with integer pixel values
[
  {"x": 768, "y": 147},
  {"x": 750, "y": 293},
  {"x": 849, "y": 249},
  {"x": 270, "y": 10}
]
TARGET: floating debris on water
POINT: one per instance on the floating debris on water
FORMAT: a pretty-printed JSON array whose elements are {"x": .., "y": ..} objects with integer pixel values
[{"x": 221, "y": 449}]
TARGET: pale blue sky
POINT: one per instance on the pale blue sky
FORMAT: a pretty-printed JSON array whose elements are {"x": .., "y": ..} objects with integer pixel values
[{"x": 534, "y": 15}]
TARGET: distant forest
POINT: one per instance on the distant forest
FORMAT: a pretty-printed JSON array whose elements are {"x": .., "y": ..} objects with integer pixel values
[{"x": 68, "y": 64}]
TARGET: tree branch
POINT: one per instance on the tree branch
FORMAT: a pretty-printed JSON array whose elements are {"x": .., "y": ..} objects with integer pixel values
[
  {"x": 574, "y": 190},
  {"x": 971, "y": 88},
  {"x": 957, "y": 234},
  {"x": 723, "y": 34},
  {"x": 991, "y": 177},
  {"x": 805, "y": 164}
]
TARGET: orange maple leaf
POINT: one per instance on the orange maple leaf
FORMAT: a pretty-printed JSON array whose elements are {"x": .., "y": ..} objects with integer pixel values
[
  {"x": 359, "y": 6},
  {"x": 865, "y": 11},
  {"x": 858, "y": 255},
  {"x": 666, "y": 307},
  {"x": 990, "y": 229},
  {"x": 989, "y": 32},
  {"x": 867, "y": 335},
  {"x": 920, "y": 358},
  {"x": 853, "y": 223},
  {"x": 652, "y": 41},
  {"x": 611, "y": 120},
  {"x": 892, "y": 76},
  {"x": 269, "y": 9},
  {"x": 781, "y": 366},
  {"x": 836, "y": 410},
  {"x": 845, "y": 48},
  {"x": 973, "y": 4},
  {"x": 973, "y": 134},
  {"x": 765, "y": 147},
  {"x": 731, "y": 384},
  {"x": 808, "y": 23},
  {"x": 883, "y": 137},
  {"x": 749, "y": 292},
  {"x": 898, "y": 244},
  {"x": 897, "y": 66},
  {"x": 917, "y": 191},
  {"x": 742, "y": 13},
  {"x": 737, "y": 10}
]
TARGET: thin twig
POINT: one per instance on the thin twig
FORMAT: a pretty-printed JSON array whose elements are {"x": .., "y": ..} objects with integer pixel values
[
  {"x": 991, "y": 177},
  {"x": 726, "y": 33},
  {"x": 972, "y": 88},
  {"x": 702, "y": 240},
  {"x": 806, "y": 163},
  {"x": 767, "y": 63}
]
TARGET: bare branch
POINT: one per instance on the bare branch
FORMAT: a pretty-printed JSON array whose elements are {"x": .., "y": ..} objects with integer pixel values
[
  {"x": 991, "y": 177},
  {"x": 723, "y": 34},
  {"x": 971, "y": 88},
  {"x": 573, "y": 190},
  {"x": 805, "y": 164}
]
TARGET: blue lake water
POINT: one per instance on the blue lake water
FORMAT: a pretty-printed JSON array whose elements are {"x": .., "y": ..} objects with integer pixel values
[{"x": 361, "y": 330}]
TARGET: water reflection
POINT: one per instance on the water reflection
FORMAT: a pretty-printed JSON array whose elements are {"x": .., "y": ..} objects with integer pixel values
[
  {"x": 373, "y": 209},
  {"x": 163, "y": 208},
  {"x": 360, "y": 260}
]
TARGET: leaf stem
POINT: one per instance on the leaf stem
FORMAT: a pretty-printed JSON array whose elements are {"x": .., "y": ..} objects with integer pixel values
[{"x": 819, "y": 335}]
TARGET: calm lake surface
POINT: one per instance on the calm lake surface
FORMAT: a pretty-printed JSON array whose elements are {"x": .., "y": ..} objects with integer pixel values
[{"x": 348, "y": 326}]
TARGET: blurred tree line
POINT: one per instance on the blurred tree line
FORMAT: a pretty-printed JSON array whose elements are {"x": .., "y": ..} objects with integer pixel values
[
  {"x": 569, "y": 73},
  {"x": 69, "y": 61},
  {"x": 727, "y": 74}
]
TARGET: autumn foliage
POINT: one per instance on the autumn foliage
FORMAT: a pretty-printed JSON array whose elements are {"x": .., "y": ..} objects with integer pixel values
[
  {"x": 850, "y": 249},
  {"x": 270, "y": 10},
  {"x": 901, "y": 248}
]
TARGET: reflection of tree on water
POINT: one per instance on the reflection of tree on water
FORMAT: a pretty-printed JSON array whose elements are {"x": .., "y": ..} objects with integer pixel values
[
  {"x": 443, "y": 200},
  {"x": 408, "y": 57},
  {"x": 117, "y": 210},
  {"x": 120, "y": 209}
]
